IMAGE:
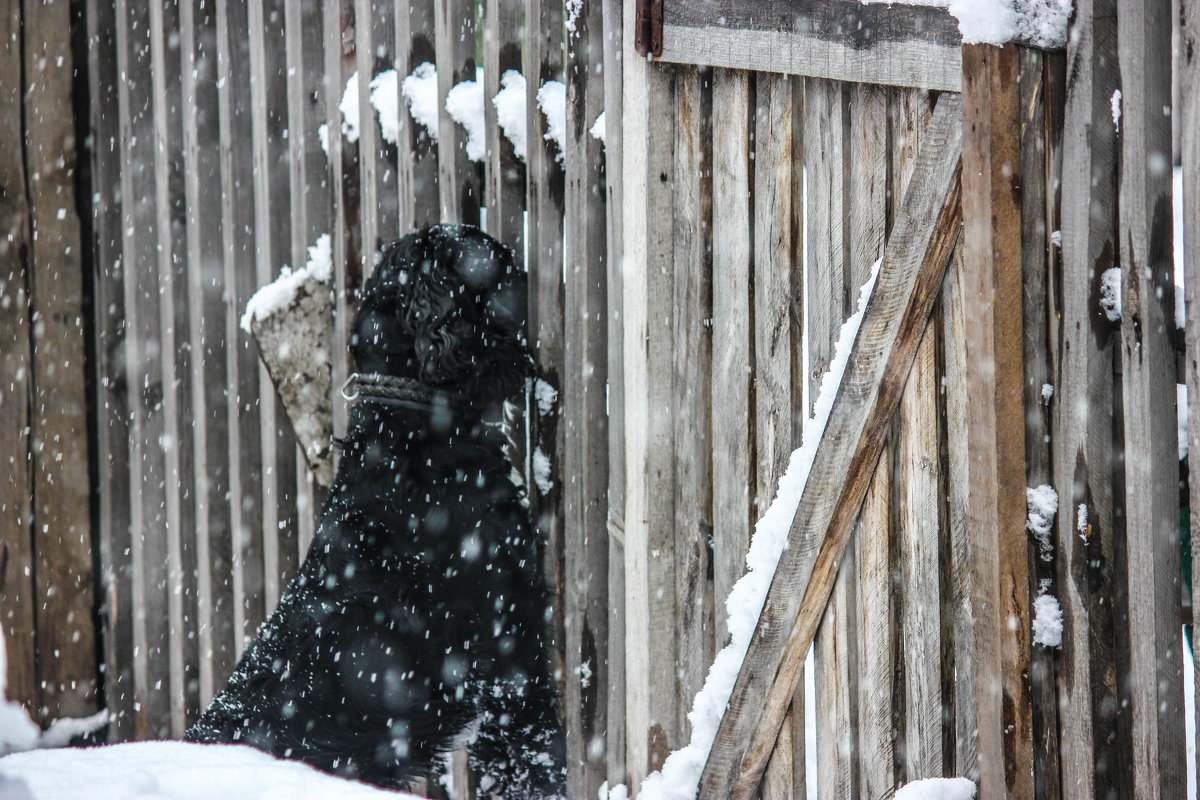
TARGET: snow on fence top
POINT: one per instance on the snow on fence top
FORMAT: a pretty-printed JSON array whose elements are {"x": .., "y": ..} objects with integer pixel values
[{"x": 1041, "y": 23}]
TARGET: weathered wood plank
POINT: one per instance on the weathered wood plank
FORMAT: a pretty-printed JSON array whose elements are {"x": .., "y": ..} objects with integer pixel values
[
  {"x": 242, "y": 369},
  {"x": 691, "y": 388},
  {"x": 1082, "y": 441},
  {"x": 17, "y": 596},
  {"x": 459, "y": 186},
  {"x": 504, "y": 191},
  {"x": 544, "y": 260},
  {"x": 174, "y": 351},
  {"x": 1035, "y": 265},
  {"x": 139, "y": 244},
  {"x": 733, "y": 467},
  {"x": 205, "y": 290},
  {"x": 614, "y": 199},
  {"x": 838, "y": 39},
  {"x": 1148, "y": 397},
  {"x": 916, "y": 257},
  {"x": 918, "y": 516},
  {"x": 374, "y": 50},
  {"x": 583, "y": 407},
  {"x": 112, "y": 421},
  {"x": 648, "y": 167},
  {"x": 876, "y": 772},
  {"x": 996, "y": 418},
  {"x": 826, "y": 234},
  {"x": 417, "y": 170}
]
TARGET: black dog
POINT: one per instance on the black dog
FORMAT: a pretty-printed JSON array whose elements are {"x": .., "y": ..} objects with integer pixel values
[{"x": 420, "y": 610}]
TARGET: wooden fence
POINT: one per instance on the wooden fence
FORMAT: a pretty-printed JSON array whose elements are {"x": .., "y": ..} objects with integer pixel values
[{"x": 689, "y": 277}]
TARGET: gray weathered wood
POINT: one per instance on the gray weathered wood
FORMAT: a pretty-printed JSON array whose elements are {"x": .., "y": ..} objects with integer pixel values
[
  {"x": 842, "y": 40},
  {"x": 459, "y": 186},
  {"x": 691, "y": 388},
  {"x": 374, "y": 50},
  {"x": 585, "y": 375},
  {"x": 917, "y": 253},
  {"x": 417, "y": 167},
  {"x": 504, "y": 190},
  {"x": 731, "y": 342},
  {"x": 205, "y": 290},
  {"x": 650, "y": 617},
  {"x": 1148, "y": 396},
  {"x": 996, "y": 419}
]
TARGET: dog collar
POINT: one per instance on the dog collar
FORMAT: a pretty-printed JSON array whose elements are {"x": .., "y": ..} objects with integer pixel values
[{"x": 390, "y": 387}]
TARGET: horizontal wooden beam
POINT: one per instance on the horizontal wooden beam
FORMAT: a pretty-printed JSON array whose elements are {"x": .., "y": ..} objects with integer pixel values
[
  {"x": 844, "y": 40},
  {"x": 883, "y": 352}
]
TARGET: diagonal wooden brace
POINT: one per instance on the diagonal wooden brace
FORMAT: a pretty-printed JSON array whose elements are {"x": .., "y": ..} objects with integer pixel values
[{"x": 918, "y": 250}]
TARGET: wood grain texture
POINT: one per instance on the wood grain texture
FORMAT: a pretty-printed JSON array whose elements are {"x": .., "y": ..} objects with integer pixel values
[
  {"x": 651, "y": 711},
  {"x": 374, "y": 51},
  {"x": 732, "y": 449},
  {"x": 585, "y": 458},
  {"x": 17, "y": 597},
  {"x": 614, "y": 198},
  {"x": 1189, "y": 147},
  {"x": 504, "y": 189},
  {"x": 459, "y": 185},
  {"x": 996, "y": 416},
  {"x": 1147, "y": 360},
  {"x": 417, "y": 171},
  {"x": 1082, "y": 442},
  {"x": 916, "y": 256},
  {"x": 209, "y": 346},
  {"x": 841, "y": 40},
  {"x": 690, "y": 384},
  {"x": 544, "y": 187},
  {"x": 112, "y": 419}
]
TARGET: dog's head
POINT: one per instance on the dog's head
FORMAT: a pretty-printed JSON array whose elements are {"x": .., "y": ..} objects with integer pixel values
[{"x": 446, "y": 306}]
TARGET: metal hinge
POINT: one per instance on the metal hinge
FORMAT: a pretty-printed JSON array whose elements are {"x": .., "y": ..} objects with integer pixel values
[{"x": 648, "y": 25}]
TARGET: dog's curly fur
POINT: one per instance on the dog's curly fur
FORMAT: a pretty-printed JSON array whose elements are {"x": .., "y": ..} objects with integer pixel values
[{"x": 420, "y": 610}]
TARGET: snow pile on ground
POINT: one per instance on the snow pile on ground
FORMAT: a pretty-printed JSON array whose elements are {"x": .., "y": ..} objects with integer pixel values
[
  {"x": 680, "y": 774},
  {"x": 464, "y": 103},
  {"x": 385, "y": 99},
  {"x": 552, "y": 100},
  {"x": 510, "y": 110},
  {"x": 176, "y": 770},
  {"x": 420, "y": 90},
  {"x": 1110, "y": 293},
  {"x": 937, "y": 789},
  {"x": 279, "y": 293},
  {"x": 1042, "y": 503}
]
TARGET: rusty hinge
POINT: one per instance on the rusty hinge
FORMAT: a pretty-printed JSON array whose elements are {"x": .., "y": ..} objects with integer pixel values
[{"x": 648, "y": 25}]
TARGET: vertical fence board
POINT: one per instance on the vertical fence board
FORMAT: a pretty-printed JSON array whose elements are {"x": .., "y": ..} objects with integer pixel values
[
  {"x": 112, "y": 420},
  {"x": 614, "y": 199},
  {"x": 175, "y": 355},
  {"x": 17, "y": 599},
  {"x": 1148, "y": 389},
  {"x": 417, "y": 175},
  {"x": 585, "y": 459},
  {"x": 732, "y": 449},
  {"x": 504, "y": 192},
  {"x": 544, "y": 259},
  {"x": 995, "y": 419},
  {"x": 648, "y": 166},
  {"x": 691, "y": 374},
  {"x": 205, "y": 290},
  {"x": 459, "y": 185}
]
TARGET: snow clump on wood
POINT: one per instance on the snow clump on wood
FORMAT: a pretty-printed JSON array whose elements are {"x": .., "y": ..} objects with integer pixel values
[
  {"x": 552, "y": 100},
  {"x": 1042, "y": 503},
  {"x": 1110, "y": 293},
  {"x": 1047, "y": 621},
  {"x": 385, "y": 99},
  {"x": 420, "y": 90},
  {"x": 464, "y": 103},
  {"x": 937, "y": 789},
  {"x": 510, "y": 109}
]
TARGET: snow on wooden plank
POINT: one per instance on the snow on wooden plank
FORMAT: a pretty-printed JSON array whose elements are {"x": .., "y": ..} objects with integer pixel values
[
  {"x": 459, "y": 186},
  {"x": 1148, "y": 396},
  {"x": 917, "y": 253},
  {"x": 504, "y": 192},
  {"x": 1189, "y": 148},
  {"x": 843, "y": 40}
]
